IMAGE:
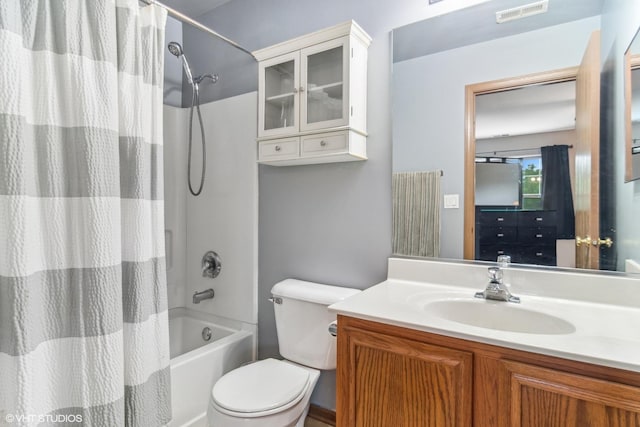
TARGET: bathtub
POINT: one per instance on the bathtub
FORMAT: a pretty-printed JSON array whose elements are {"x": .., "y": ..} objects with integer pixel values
[{"x": 197, "y": 364}]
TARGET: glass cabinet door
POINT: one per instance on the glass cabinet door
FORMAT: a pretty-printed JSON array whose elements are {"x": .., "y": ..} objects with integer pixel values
[
  {"x": 279, "y": 95},
  {"x": 325, "y": 85}
]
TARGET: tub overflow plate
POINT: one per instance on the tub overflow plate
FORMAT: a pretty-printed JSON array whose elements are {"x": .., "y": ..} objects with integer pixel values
[{"x": 206, "y": 333}]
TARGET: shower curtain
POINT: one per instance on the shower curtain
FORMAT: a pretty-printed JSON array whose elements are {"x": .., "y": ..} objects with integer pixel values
[{"x": 83, "y": 307}]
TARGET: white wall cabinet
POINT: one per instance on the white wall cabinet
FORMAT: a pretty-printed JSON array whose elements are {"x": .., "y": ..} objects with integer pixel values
[{"x": 312, "y": 98}]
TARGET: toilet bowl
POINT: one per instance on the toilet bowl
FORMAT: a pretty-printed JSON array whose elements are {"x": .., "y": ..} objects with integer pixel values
[
  {"x": 268, "y": 393},
  {"x": 277, "y": 393}
]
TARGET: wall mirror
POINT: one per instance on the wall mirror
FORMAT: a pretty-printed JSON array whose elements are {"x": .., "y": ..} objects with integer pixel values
[
  {"x": 632, "y": 110},
  {"x": 431, "y": 77}
]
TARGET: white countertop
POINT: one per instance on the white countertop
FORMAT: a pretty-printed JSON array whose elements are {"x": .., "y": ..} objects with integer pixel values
[{"x": 603, "y": 333}]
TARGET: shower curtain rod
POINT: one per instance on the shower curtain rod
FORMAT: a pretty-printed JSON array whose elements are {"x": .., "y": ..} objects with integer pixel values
[
  {"x": 187, "y": 20},
  {"x": 510, "y": 151}
]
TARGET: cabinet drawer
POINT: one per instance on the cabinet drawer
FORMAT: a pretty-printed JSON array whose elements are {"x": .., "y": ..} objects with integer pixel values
[
  {"x": 537, "y": 235},
  {"x": 280, "y": 149},
  {"x": 491, "y": 252},
  {"x": 540, "y": 255},
  {"x": 497, "y": 234},
  {"x": 496, "y": 218},
  {"x": 537, "y": 218},
  {"x": 325, "y": 143}
]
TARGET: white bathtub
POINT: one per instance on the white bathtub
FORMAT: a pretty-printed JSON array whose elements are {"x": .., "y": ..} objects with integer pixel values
[{"x": 197, "y": 364}]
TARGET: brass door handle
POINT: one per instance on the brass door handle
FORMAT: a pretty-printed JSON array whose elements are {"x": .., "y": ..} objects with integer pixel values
[
  {"x": 583, "y": 241},
  {"x": 603, "y": 242}
]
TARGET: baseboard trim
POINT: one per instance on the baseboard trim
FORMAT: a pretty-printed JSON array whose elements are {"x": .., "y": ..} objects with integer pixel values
[{"x": 324, "y": 415}]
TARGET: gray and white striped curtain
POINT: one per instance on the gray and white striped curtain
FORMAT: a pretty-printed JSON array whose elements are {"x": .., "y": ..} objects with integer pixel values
[
  {"x": 83, "y": 307},
  {"x": 416, "y": 213}
]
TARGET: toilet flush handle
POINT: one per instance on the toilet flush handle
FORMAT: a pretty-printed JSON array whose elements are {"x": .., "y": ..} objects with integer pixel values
[{"x": 333, "y": 329}]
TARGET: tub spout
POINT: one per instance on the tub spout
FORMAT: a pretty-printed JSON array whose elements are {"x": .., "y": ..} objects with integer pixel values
[{"x": 203, "y": 295}]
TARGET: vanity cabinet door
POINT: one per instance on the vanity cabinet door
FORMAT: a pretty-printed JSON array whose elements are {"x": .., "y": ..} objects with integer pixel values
[
  {"x": 543, "y": 397},
  {"x": 386, "y": 380}
]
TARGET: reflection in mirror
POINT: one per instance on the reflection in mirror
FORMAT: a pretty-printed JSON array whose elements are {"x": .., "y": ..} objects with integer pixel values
[
  {"x": 431, "y": 71},
  {"x": 524, "y": 159},
  {"x": 632, "y": 82}
]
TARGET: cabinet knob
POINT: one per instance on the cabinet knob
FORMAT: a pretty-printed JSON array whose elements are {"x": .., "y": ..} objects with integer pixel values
[
  {"x": 301, "y": 88},
  {"x": 278, "y": 148},
  {"x": 295, "y": 90},
  {"x": 323, "y": 143}
]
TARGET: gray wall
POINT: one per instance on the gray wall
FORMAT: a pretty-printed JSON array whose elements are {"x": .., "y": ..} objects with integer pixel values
[
  {"x": 172, "y": 65},
  {"x": 325, "y": 223},
  {"x": 620, "y": 21},
  {"x": 429, "y": 102}
]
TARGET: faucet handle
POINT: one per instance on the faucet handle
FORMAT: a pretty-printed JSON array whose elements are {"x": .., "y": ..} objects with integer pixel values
[
  {"x": 495, "y": 274},
  {"x": 504, "y": 261},
  {"x": 211, "y": 265}
]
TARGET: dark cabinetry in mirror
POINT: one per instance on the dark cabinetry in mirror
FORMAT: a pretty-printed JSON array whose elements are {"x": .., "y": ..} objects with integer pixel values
[{"x": 529, "y": 237}]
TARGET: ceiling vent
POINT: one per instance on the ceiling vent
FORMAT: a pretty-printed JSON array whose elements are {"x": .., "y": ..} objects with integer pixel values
[{"x": 522, "y": 11}]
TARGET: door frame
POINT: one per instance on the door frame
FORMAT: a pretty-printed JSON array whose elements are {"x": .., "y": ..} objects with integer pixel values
[
  {"x": 545, "y": 77},
  {"x": 631, "y": 62}
]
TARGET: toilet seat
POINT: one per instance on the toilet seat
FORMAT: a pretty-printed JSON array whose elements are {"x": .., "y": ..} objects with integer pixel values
[{"x": 260, "y": 389}]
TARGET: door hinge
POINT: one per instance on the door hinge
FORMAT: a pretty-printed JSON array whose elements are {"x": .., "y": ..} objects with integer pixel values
[{"x": 352, "y": 52}]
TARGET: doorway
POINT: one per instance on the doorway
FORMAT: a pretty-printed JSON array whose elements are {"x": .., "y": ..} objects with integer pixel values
[{"x": 587, "y": 151}]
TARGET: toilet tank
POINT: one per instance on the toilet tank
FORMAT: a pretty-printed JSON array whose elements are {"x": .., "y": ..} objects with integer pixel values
[{"x": 302, "y": 321}]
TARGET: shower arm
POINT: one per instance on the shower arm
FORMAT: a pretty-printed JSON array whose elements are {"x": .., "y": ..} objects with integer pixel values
[
  {"x": 184, "y": 18},
  {"x": 199, "y": 79}
]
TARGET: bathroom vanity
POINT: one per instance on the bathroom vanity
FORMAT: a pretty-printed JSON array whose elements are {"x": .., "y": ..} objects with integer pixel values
[{"x": 416, "y": 352}]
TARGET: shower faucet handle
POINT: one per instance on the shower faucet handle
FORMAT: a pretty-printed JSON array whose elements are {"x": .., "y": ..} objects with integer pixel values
[{"x": 211, "y": 265}]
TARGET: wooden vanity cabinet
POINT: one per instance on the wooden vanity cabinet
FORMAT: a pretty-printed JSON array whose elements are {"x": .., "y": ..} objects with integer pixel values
[
  {"x": 539, "y": 396},
  {"x": 392, "y": 376},
  {"x": 390, "y": 382}
]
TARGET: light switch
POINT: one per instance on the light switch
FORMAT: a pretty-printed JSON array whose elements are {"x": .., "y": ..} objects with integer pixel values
[{"x": 451, "y": 201}]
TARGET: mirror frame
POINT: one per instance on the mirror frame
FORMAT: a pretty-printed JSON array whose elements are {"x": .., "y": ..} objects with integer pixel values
[
  {"x": 545, "y": 77},
  {"x": 631, "y": 62}
]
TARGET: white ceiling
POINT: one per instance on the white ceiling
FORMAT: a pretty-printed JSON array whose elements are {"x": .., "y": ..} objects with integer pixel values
[
  {"x": 529, "y": 110},
  {"x": 194, "y": 8}
]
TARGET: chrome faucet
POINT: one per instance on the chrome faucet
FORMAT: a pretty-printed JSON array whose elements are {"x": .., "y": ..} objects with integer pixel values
[
  {"x": 202, "y": 295},
  {"x": 496, "y": 289}
]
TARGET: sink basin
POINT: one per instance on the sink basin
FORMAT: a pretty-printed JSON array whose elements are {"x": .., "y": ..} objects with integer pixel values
[{"x": 499, "y": 315}]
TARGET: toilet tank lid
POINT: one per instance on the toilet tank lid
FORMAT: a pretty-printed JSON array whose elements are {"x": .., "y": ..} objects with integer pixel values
[{"x": 311, "y": 292}]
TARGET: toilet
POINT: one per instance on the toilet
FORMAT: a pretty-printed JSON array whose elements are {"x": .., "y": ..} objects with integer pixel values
[{"x": 277, "y": 393}]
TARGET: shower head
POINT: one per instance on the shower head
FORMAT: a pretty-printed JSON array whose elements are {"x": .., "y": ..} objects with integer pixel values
[{"x": 176, "y": 50}]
